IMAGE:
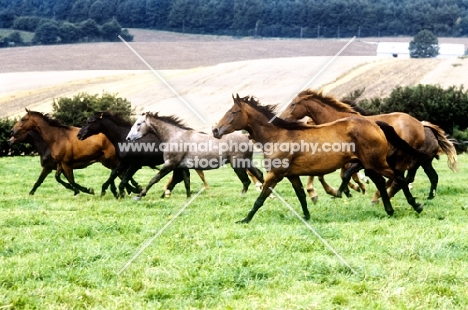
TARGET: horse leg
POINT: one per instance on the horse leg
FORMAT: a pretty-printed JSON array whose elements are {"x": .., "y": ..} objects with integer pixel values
[
  {"x": 270, "y": 182},
  {"x": 301, "y": 195},
  {"x": 379, "y": 182},
  {"x": 134, "y": 187},
  {"x": 201, "y": 174},
  {"x": 162, "y": 173},
  {"x": 433, "y": 177},
  {"x": 352, "y": 169},
  {"x": 328, "y": 189},
  {"x": 256, "y": 175},
  {"x": 68, "y": 172},
  {"x": 311, "y": 189},
  {"x": 44, "y": 173},
  {"x": 400, "y": 178},
  {"x": 244, "y": 178},
  {"x": 376, "y": 197},
  {"x": 178, "y": 175},
  {"x": 360, "y": 186},
  {"x": 110, "y": 181},
  {"x": 129, "y": 173}
]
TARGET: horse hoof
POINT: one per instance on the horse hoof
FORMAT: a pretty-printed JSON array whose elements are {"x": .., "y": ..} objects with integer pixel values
[
  {"x": 419, "y": 208},
  {"x": 390, "y": 212},
  {"x": 374, "y": 202},
  {"x": 31, "y": 193},
  {"x": 244, "y": 221},
  {"x": 91, "y": 191},
  {"x": 307, "y": 217},
  {"x": 315, "y": 199},
  {"x": 136, "y": 198}
]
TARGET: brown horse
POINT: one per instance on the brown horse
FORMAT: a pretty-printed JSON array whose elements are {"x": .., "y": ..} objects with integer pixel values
[
  {"x": 47, "y": 162},
  {"x": 66, "y": 150},
  {"x": 361, "y": 140},
  {"x": 423, "y": 136}
]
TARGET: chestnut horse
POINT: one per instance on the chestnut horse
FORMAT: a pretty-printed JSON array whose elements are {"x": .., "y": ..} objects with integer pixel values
[
  {"x": 363, "y": 141},
  {"x": 66, "y": 150},
  {"x": 422, "y": 136}
]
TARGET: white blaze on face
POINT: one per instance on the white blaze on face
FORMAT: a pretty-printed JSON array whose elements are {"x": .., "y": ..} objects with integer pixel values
[{"x": 136, "y": 130}]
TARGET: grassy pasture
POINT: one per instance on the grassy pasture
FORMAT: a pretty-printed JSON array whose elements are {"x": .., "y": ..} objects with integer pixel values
[{"x": 63, "y": 252}]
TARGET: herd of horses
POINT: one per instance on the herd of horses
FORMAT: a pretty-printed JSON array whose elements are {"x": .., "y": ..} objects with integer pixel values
[{"x": 385, "y": 145}]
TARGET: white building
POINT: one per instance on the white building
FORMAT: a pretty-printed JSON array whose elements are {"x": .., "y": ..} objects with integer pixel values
[{"x": 401, "y": 50}]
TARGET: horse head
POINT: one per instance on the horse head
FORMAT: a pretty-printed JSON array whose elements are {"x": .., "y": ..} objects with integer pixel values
[
  {"x": 20, "y": 129},
  {"x": 140, "y": 128},
  {"x": 234, "y": 119},
  {"x": 91, "y": 127}
]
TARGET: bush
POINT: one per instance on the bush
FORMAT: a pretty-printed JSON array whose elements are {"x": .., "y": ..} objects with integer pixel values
[
  {"x": 17, "y": 148},
  {"x": 90, "y": 30},
  {"x": 446, "y": 108},
  {"x": 75, "y": 111}
]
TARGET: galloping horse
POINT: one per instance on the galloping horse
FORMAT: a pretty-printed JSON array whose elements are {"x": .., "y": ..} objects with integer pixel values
[
  {"x": 115, "y": 128},
  {"x": 368, "y": 138},
  {"x": 47, "y": 162},
  {"x": 187, "y": 148},
  {"x": 66, "y": 150},
  {"x": 423, "y": 136}
]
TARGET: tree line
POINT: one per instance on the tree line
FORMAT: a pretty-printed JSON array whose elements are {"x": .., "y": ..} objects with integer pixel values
[{"x": 278, "y": 18}]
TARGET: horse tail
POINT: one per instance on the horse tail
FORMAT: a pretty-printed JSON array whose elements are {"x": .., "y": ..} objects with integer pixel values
[
  {"x": 445, "y": 145},
  {"x": 397, "y": 141}
]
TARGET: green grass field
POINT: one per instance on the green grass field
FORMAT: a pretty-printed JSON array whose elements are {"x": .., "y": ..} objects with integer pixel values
[{"x": 58, "y": 251}]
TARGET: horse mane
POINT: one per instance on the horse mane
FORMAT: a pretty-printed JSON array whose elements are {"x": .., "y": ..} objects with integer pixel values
[
  {"x": 171, "y": 119},
  {"x": 117, "y": 118},
  {"x": 330, "y": 101},
  {"x": 50, "y": 120},
  {"x": 269, "y": 112}
]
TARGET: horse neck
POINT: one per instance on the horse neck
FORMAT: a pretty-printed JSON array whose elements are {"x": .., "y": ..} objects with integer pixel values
[
  {"x": 38, "y": 143},
  {"x": 322, "y": 113},
  {"x": 114, "y": 132},
  {"x": 48, "y": 132},
  {"x": 260, "y": 128},
  {"x": 164, "y": 131}
]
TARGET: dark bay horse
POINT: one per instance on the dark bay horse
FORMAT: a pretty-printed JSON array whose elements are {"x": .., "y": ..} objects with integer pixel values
[
  {"x": 423, "y": 136},
  {"x": 187, "y": 148},
  {"x": 48, "y": 164},
  {"x": 370, "y": 141},
  {"x": 65, "y": 148},
  {"x": 115, "y": 128}
]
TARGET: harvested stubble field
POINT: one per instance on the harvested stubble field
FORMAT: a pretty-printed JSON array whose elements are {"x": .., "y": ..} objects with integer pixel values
[
  {"x": 206, "y": 70},
  {"x": 63, "y": 252}
]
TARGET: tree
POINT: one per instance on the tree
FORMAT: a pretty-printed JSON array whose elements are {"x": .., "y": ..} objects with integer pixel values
[
  {"x": 69, "y": 33},
  {"x": 90, "y": 29},
  {"x": 111, "y": 30},
  {"x": 46, "y": 33},
  {"x": 424, "y": 45}
]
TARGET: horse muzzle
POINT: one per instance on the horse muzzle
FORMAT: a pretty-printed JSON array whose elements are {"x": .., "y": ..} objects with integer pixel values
[{"x": 217, "y": 133}]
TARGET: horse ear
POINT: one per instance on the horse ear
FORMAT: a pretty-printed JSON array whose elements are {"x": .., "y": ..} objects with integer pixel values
[
  {"x": 101, "y": 115},
  {"x": 236, "y": 99},
  {"x": 27, "y": 110}
]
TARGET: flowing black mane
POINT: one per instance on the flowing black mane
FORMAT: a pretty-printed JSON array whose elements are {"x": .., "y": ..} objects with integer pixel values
[
  {"x": 117, "y": 118},
  {"x": 172, "y": 119},
  {"x": 269, "y": 112},
  {"x": 51, "y": 121}
]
